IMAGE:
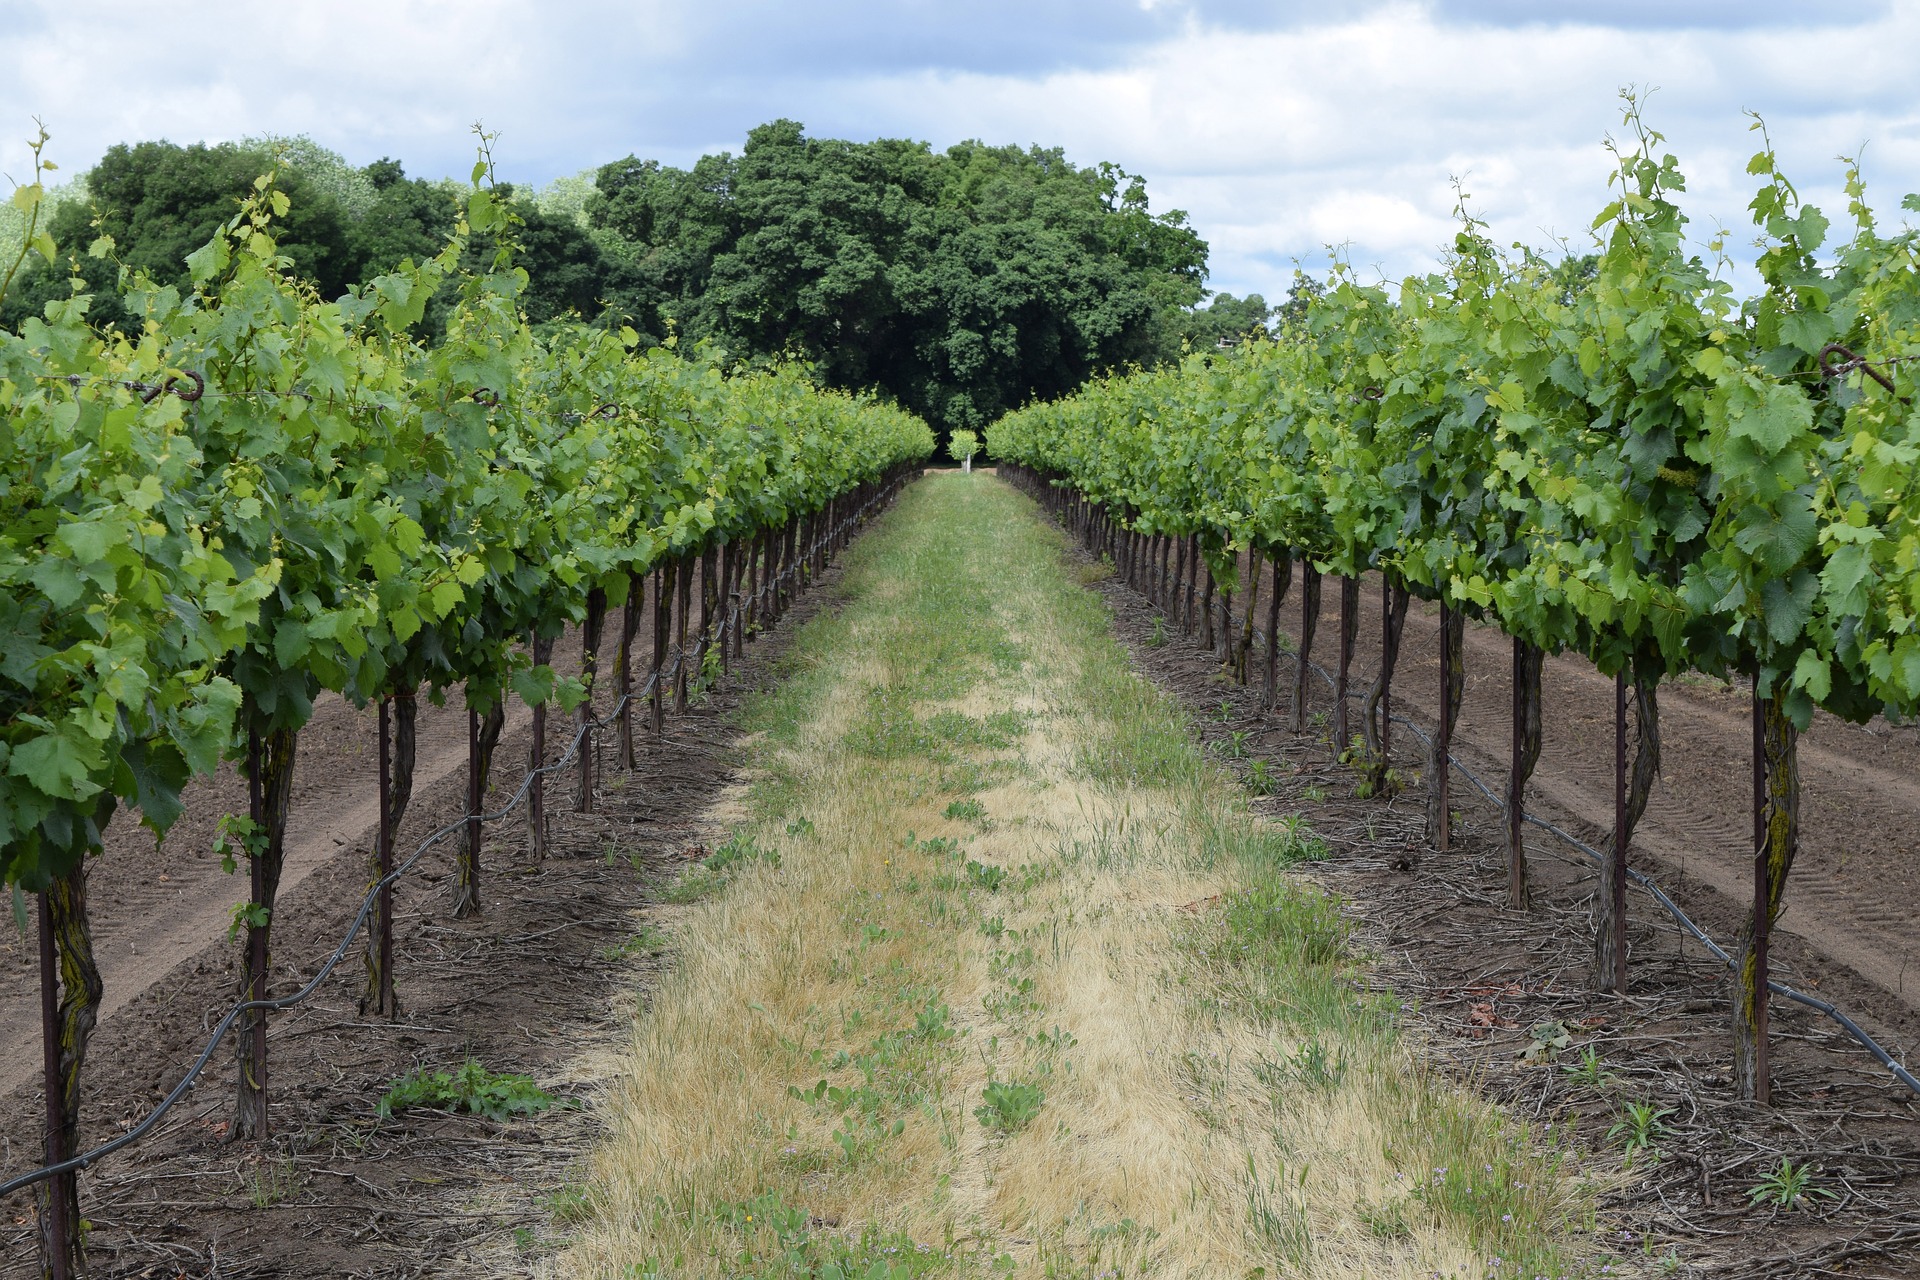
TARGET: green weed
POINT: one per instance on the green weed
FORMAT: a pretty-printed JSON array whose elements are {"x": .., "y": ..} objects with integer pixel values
[
  {"x": 1009, "y": 1106},
  {"x": 1641, "y": 1127},
  {"x": 1589, "y": 1071},
  {"x": 470, "y": 1088},
  {"x": 271, "y": 1182},
  {"x": 571, "y": 1205},
  {"x": 1310, "y": 1065},
  {"x": 649, "y": 941},
  {"x": 776, "y": 1239},
  {"x": 985, "y": 877},
  {"x": 1785, "y": 1186}
]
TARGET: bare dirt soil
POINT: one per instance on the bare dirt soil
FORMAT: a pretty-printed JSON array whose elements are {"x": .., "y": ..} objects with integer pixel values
[
  {"x": 1482, "y": 977},
  {"x": 545, "y": 974}
]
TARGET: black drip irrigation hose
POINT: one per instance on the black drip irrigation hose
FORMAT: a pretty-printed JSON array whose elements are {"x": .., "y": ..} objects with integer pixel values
[
  {"x": 1639, "y": 878},
  {"x": 1680, "y": 917},
  {"x": 587, "y": 727}
]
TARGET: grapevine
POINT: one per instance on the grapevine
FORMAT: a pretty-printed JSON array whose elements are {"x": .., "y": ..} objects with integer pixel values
[
  {"x": 1644, "y": 470},
  {"x": 262, "y": 495}
]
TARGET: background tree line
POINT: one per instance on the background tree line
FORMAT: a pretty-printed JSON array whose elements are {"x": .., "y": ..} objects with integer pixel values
[{"x": 962, "y": 282}]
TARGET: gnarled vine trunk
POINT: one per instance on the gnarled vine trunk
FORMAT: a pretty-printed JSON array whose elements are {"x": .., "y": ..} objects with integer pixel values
[
  {"x": 65, "y": 924},
  {"x": 537, "y": 760},
  {"x": 1303, "y": 660},
  {"x": 270, "y": 758},
  {"x": 1177, "y": 556},
  {"x": 623, "y": 663},
  {"x": 378, "y": 997},
  {"x": 1643, "y": 744},
  {"x": 1453, "y": 686},
  {"x": 663, "y": 587},
  {"x": 1282, "y": 582},
  {"x": 682, "y": 606},
  {"x": 1777, "y": 840},
  {"x": 709, "y": 611},
  {"x": 1349, "y": 630},
  {"x": 590, "y": 635},
  {"x": 1376, "y": 713},
  {"x": 483, "y": 736},
  {"x": 1193, "y": 582},
  {"x": 1206, "y": 611},
  {"x": 1527, "y": 660},
  {"x": 1250, "y": 607}
]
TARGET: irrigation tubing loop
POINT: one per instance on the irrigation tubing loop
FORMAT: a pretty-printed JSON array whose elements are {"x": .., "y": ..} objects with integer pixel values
[
  {"x": 587, "y": 727},
  {"x": 1639, "y": 878}
]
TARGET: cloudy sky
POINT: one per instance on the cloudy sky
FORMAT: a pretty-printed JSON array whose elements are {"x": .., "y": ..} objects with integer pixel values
[{"x": 1280, "y": 127}]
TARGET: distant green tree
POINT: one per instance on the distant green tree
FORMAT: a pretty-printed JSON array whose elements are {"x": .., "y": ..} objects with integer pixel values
[
  {"x": 962, "y": 445},
  {"x": 406, "y": 218},
  {"x": 1227, "y": 321},
  {"x": 962, "y": 283},
  {"x": 1300, "y": 296},
  {"x": 1574, "y": 273},
  {"x": 159, "y": 202},
  {"x": 567, "y": 271}
]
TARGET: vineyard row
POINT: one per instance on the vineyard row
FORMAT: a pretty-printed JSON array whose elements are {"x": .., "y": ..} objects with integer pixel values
[
  {"x": 1630, "y": 464},
  {"x": 262, "y": 495}
]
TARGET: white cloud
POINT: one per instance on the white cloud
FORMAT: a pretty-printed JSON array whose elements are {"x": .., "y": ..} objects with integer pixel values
[
  {"x": 1282, "y": 142},
  {"x": 1278, "y": 128}
]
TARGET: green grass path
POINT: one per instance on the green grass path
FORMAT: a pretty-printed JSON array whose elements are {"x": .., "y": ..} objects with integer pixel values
[{"x": 997, "y": 975}]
